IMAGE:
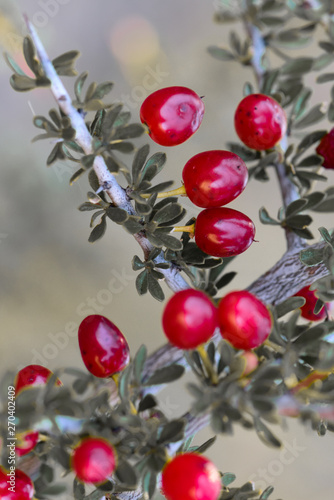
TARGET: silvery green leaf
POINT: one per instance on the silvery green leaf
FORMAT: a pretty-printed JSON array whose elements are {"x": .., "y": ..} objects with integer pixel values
[
  {"x": 289, "y": 305},
  {"x": 311, "y": 256},
  {"x": 266, "y": 219},
  {"x": 311, "y": 117},
  {"x": 221, "y": 53}
]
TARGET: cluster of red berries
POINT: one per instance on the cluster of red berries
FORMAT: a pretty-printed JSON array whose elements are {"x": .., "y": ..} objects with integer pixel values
[
  {"x": 214, "y": 178},
  {"x": 190, "y": 319}
]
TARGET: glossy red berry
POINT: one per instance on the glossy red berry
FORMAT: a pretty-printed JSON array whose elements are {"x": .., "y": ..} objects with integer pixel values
[
  {"x": 307, "y": 310},
  {"x": 223, "y": 232},
  {"x": 214, "y": 178},
  {"x": 103, "y": 347},
  {"x": 172, "y": 115},
  {"x": 189, "y": 319},
  {"x": 190, "y": 477},
  {"x": 260, "y": 122},
  {"x": 26, "y": 442},
  {"x": 19, "y": 481},
  {"x": 244, "y": 320},
  {"x": 325, "y": 148},
  {"x": 93, "y": 460},
  {"x": 32, "y": 376}
]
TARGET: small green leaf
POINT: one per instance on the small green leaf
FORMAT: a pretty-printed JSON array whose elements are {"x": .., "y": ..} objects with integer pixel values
[
  {"x": 220, "y": 53},
  {"x": 126, "y": 474},
  {"x": 76, "y": 175},
  {"x": 139, "y": 161},
  {"x": 289, "y": 305},
  {"x": 303, "y": 233},
  {"x": 167, "y": 213},
  {"x": 149, "y": 483},
  {"x": 295, "y": 207},
  {"x": 266, "y": 493},
  {"x": 165, "y": 375},
  {"x": 298, "y": 221},
  {"x": 325, "y": 234},
  {"x": 98, "y": 231},
  {"x": 228, "y": 478},
  {"x": 311, "y": 256},
  {"x": 22, "y": 83},
  {"x": 154, "y": 287},
  {"x": 313, "y": 116},
  {"x": 102, "y": 89},
  {"x": 225, "y": 280},
  {"x": 322, "y": 61},
  {"x": 172, "y": 432},
  {"x": 297, "y": 66},
  {"x": 205, "y": 446},
  {"x": 142, "y": 282},
  {"x": 117, "y": 214},
  {"x": 129, "y": 131},
  {"x": 79, "y": 83},
  {"x": 265, "y": 434},
  {"x": 147, "y": 403},
  {"x": 266, "y": 219},
  {"x": 325, "y": 77},
  {"x": 139, "y": 363},
  {"x": 132, "y": 224}
]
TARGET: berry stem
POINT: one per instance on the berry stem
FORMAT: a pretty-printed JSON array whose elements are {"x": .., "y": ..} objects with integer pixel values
[
  {"x": 180, "y": 191},
  {"x": 185, "y": 229},
  {"x": 207, "y": 364}
]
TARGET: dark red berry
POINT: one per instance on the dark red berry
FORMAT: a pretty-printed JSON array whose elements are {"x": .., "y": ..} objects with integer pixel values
[
  {"x": 214, "y": 178},
  {"x": 244, "y": 320},
  {"x": 307, "y": 310},
  {"x": 93, "y": 460},
  {"x": 260, "y": 122},
  {"x": 189, "y": 319},
  {"x": 26, "y": 442},
  {"x": 103, "y": 347},
  {"x": 21, "y": 485},
  {"x": 326, "y": 149},
  {"x": 32, "y": 376},
  {"x": 190, "y": 477},
  {"x": 172, "y": 115},
  {"x": 223, "y": 232}
]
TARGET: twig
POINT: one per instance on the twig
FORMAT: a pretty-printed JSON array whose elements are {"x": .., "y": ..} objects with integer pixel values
[{"x": 115, "y": 192}]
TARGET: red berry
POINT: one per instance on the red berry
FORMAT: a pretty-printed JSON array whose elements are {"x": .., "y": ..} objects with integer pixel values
[
  {"x": 172, "y": 114},
  {"x": 93, "y": 460},
  {"x": 214, "y": 178},
  {"x": 189, "y": 319},
  {"x": 32, "y": 376},
  {"x": 19, "y": 481},
  {"x": 260, "y": 121},
  {"x": 190, "y": 477},
  {"x": 307, "y": 310},
  {"x": 243, "y": 320},
  {"x": 26, "y": 441},
  {"x": 223, "y": 232},
  {"x": 326, "y": 149},
  {"x": 103, "y": 347}
]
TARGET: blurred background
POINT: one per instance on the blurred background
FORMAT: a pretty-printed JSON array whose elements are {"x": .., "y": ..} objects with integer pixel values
[{"x": 51, "y": 277}]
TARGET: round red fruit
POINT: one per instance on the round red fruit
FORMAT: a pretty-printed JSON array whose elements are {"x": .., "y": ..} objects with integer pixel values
[
  {"x": 244, "y": 320},
  {"x": 189, "y": 319},
  {"x": 325, "y": 149},
  {"x": 223, "y": 232},
  {"x": 307, "y": 310},
  {"x": 214, "y": 178},
  {"x": 260, "y": 122},
  {"x": 190, "y": 476},
  {"x": 26, "y": 442},
  {"x": 32, "y": 376},
  {"x": 22, "y": 484},
  {"x": 93, "y": 460},
  {"x": 103, "y": 347},
  {"x": 172, "y": 115}
]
